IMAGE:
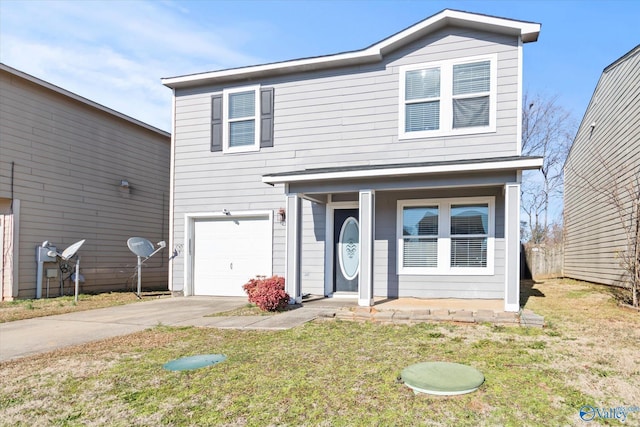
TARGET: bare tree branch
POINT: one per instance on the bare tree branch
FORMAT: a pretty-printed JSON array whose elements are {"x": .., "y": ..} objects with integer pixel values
[{"x": 547, "y": 131}]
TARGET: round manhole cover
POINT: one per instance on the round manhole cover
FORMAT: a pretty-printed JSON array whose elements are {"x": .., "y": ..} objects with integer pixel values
[
  {"x": 194, "y": 362},
  {"x": 442, "y": 378}
]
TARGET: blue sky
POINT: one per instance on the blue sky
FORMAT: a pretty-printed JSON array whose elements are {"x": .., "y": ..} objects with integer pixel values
[{"x": 115, "y": 53}]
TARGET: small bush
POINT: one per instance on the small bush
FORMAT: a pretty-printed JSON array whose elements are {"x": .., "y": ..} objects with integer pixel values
[{"x": 267, "y": 293}]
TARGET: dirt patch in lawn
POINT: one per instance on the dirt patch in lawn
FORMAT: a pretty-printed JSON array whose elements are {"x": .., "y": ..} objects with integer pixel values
[{"x": 251, "y": 310}]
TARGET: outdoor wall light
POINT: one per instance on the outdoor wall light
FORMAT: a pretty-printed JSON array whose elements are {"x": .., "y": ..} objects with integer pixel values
[
  {"x": 282, "y": 216},
  {"x": 124, "y": 183}
]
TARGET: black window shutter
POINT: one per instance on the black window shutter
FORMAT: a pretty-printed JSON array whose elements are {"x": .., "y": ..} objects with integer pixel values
[
  {"x": 216, "y": 123},
  {"x": 266, "y": 117}
]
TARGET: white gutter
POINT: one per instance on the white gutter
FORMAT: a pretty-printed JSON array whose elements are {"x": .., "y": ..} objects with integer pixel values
[{"x": 521, "y": 164}]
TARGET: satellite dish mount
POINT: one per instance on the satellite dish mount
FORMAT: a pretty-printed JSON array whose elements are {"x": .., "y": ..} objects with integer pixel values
[
  {"x": 49, "y": 254},
  {"x": 144, "y": 250}
]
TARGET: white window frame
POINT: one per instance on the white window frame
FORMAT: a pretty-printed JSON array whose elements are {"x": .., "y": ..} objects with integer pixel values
[
  {"x": 226, "y": 93},
  {"x": 444, "y": 237},
  {"x": 446, "y": 98}
]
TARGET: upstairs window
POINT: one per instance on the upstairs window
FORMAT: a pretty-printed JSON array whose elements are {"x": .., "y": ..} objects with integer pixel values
[
  {"x": 471, "y": 94},
  {"x": 448, "y": 98},
  {"x": 422, "y": 95},
  {"x": 242, "y": 119}
]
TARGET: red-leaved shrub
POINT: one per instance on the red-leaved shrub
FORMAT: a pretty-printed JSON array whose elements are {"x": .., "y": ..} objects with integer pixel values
[{"x": 267, "y": 293}]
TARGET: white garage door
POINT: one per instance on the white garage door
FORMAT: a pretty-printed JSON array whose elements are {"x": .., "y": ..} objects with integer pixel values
[{"x": 228, "y": 252}]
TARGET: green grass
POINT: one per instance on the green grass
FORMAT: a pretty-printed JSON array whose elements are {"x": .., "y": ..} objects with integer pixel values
[
  {"x": 310, "y": 383},
  {"x": 336, "y": 373},
  {"x": 340, "y": 373}
]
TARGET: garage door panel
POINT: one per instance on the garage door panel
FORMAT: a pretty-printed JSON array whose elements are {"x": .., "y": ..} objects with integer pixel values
[{"x": 228, "y": 252}]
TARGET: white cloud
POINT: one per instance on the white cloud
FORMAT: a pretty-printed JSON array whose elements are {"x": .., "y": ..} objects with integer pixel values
[{"x": 115, "y": 53}]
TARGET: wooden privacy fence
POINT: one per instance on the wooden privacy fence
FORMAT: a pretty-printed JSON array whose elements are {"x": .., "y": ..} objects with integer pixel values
[{"x": 542, "y": 261}]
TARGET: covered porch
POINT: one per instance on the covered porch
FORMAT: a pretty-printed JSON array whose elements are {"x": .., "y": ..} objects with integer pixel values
[{"x": 377, "y": 192}]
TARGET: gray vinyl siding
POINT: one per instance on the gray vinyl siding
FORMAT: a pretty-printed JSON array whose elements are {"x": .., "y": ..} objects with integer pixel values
[
  {"x": 592, "y": 225},
  {"x": 313, "y": 242},
  {"x": 346, "y": 116},
  {"x": 69, "y": 158}
]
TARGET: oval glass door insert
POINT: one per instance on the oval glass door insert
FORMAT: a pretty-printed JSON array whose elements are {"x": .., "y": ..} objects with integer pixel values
[{"x": 349, "y": 253}]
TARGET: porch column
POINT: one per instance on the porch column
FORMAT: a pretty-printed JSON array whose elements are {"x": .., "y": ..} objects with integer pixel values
[
  {"x": 367, "y": 236},
  {"x": 293, "y": 248},
  {"x": 512, "y": 247}
]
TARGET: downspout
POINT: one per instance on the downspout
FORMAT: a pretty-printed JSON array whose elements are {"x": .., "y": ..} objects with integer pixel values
[{"x": 13, "y": 165}]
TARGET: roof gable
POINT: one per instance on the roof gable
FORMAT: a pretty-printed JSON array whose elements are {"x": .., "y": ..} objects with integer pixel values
[
  {"x": 527, "y": 31},
  {"x": 68, "y": 94}
]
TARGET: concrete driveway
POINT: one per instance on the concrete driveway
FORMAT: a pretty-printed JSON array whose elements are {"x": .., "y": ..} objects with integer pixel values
[{"x": 25, "y": 337}]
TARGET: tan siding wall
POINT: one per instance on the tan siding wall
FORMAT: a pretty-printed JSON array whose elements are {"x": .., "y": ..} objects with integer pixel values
[
  {"x": 69, "y": 159},
  {"x": 330, "y": 118},
  {"x": 593, "y": 229}
]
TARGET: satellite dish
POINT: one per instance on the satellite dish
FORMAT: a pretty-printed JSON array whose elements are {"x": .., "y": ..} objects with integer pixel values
[
  {"x": 143, "y": 249},
  {"x": 71, "y": 250},
  {"x": 140, "y": 246}
]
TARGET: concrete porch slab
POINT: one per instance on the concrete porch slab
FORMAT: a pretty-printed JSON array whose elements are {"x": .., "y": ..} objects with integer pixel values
[{"x": 417, "y": 310}]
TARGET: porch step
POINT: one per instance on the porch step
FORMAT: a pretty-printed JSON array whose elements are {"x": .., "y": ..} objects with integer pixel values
[{"x": 529, "y": 318}]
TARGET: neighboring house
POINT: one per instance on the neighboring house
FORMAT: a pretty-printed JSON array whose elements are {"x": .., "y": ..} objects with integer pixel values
[
  {"x": 62, "y": 162},
  {"x": 605, "y": 153},
  {"x": 391, "y": 171}
]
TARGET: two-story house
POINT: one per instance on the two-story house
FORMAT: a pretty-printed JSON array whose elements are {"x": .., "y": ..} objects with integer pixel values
[{"x": 390, "y": 171}]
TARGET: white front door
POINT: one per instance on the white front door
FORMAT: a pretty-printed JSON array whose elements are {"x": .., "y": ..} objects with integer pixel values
[{"x": 228, "y": 252}]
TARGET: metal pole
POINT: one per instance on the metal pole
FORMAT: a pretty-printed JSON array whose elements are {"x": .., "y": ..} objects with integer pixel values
[
  {"x": 39, "y": 278},
  {"x": 139, "y": 276},
  {"x": 77, "y": 278}
]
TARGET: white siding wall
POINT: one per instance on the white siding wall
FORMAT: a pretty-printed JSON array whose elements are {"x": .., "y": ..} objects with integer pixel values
[
  {"x": 68, "y": 160},
  {"x": 324, "y": 119},
  {"x": 592, "y": 226}
]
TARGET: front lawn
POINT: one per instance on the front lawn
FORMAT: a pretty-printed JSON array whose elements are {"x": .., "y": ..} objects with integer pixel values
[{"x": 337, "y": 373}]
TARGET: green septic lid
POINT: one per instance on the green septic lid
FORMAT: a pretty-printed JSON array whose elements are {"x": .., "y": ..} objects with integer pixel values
[
  {"x": 442, "y": 378},
  {"x": 194, "y": 362}
]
